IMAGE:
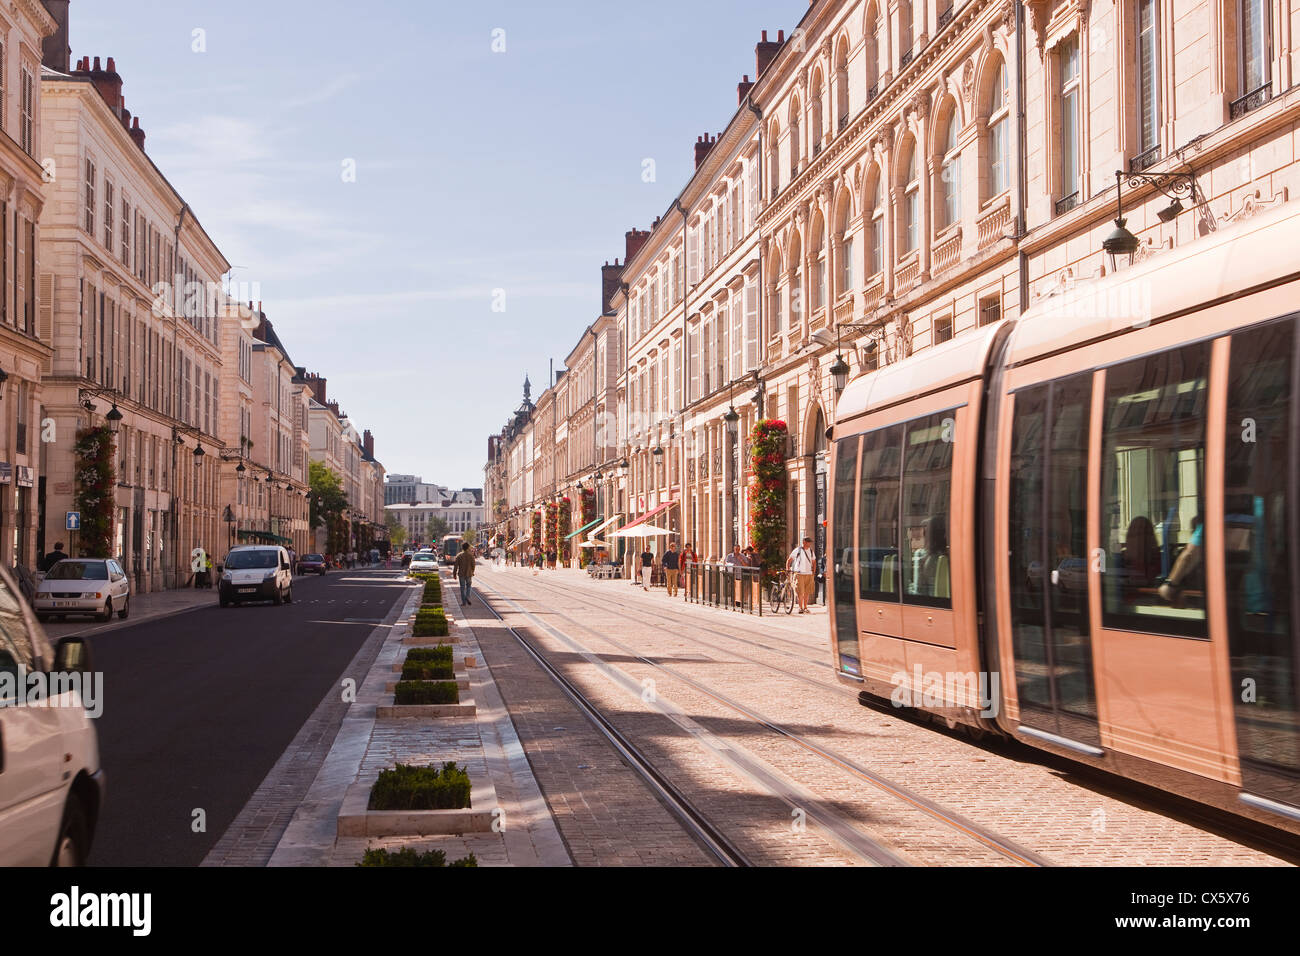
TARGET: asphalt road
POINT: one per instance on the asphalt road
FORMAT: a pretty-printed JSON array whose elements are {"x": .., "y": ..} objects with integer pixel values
[{"x": 199, "y": 706}]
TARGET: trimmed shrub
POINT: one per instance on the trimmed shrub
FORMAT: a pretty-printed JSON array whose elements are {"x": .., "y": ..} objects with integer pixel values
[
  {"x": 432, "y": 592},
  {"x": 438, "y": 654},
  {"x": 431, "y": 624},
  {"x": 421, "y": 788},
  {"x": 428, "y": 670},
  {"x": 425, "y": 692},
  {"x": 406, "y": 856}
]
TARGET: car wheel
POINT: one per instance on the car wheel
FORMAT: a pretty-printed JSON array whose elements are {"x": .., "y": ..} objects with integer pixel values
[
  {"x": 126, "y": 609},
  {"x": 74, "y": 836},
  {"x": 288, "y": 597},
  {"x": 107, "y": 613},
  {"x": 278, "y": 598}
]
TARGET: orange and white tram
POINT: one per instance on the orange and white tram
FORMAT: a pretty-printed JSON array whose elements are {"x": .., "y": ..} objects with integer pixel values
[{"x": 1081, "y": 528}]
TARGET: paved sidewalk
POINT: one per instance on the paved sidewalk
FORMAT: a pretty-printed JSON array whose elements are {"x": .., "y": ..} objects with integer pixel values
[
  {"x": 485, "y": 744},
  {"x": 144, "y": 607}
]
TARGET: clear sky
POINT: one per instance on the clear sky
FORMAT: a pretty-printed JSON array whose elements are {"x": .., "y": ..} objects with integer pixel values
[{"x": 475, "y": 171}]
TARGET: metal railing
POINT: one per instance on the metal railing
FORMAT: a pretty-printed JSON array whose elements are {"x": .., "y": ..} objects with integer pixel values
[
  {"x": 1255, "y": 98},
  {"x": 730, "y": 586}
]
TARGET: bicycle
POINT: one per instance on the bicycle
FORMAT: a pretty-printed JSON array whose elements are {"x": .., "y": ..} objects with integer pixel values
[{"x": 782, "y": 592}]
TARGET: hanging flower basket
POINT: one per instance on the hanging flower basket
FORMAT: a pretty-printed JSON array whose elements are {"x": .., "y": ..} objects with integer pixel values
[
  {"x": 767, "y": 492},
  {"x": 95, "y": 480}
]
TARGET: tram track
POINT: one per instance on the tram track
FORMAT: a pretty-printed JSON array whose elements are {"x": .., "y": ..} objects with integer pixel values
[{"x": 844, "y": 830}]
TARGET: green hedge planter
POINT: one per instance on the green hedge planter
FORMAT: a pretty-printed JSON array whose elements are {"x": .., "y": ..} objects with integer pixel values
[
  {"x": 408, "y": 857},
  {"x": 427, "y": 670},
  {"x": 422, "y": 692},
  {"x": 437, "y": 655},
  {"x": 421, "y": 788},
  {"x": 430, "y": 624}
]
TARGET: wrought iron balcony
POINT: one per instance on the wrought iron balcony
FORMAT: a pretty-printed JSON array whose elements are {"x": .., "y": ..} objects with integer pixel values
[
  {"x": 1066, "y": 203},
  {"x": 1145, "y": 159},
  {"x": 905, "y": 59},
  {"x": 1252, "y": 100},
  {"x": 844, "y": 122}
]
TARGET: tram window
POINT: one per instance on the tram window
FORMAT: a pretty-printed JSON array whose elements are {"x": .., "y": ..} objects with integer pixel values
[
  {"x": 1258, "y": 559},
  {"x": 1153, "y": 492},
  {"x": 927, "y": 484},
  {"x": 878, "y": 569},
  {"x": 846, "y": 605}
]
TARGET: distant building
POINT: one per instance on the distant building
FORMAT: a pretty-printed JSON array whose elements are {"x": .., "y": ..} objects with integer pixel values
[
  {"x": 408, "y": 488},
  {"x": 461, "y": 511}
]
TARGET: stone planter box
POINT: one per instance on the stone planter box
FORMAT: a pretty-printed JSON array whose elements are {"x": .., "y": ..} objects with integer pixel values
[
  {"x": 461, "y": 682},
  {"x": 410, "y": 640},
  {"x": 388, "y": 709},
  {"x": 456, "y": 665},
  {"x": 356, "y": 820}
]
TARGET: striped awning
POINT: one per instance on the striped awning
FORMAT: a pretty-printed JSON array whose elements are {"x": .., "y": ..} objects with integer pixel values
[
  {"x": 645, "y": 517},
  {"x": 589, "y": 524}
]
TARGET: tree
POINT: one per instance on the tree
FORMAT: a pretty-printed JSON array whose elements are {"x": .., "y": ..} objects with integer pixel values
[
  {"x": 328, "y": 502},
  {"x": 469, "y": 537},
  {"x": 396, "y": 533},
  {"x": 437, "y": 528}
]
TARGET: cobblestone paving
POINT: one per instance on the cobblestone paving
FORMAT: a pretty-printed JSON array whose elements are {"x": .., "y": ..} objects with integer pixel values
[
  {"x": 605, "y": 813},
  {"x": 778, "y": 667}
]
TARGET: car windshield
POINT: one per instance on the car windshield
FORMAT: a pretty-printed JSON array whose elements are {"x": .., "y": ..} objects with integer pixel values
[
  {"x": 79, "y": 571},
  {"x": 239, "y": 560},
  {"x": 313, "y": 557}
]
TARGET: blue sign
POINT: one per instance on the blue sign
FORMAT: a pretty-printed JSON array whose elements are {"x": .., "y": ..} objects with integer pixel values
[{"x": 73, "y": 521}]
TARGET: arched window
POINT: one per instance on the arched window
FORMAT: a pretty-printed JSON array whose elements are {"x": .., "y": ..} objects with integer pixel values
[
  {"x": 950, "y": 175},
  {"x": 792, "y": 263},
  {"x": 842, "y": 87},
  {"x": 872, "y": 42},
  {"x": 794, "y": 138},
  {"x": 876, "y": 232},
  {"x": 999, "y": 153},
  {"x": 774, "y": 291},
  {"x": 910, "y": 184},
  {"x": 815, "y": 114},
  {"x": 774, "y": 155},
  {"x": 817, "y": 238},
  {"x": 844, "y": 249}
]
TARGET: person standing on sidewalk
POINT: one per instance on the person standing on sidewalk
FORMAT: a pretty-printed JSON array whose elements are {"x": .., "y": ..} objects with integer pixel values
[
  {"x": 463, "y": 571},
  {"x": 647, "y": 566},
  {"x": 803, "y": 562},
  {"x": 54, "y": 557},
  {"x": 671, "y": 560}
]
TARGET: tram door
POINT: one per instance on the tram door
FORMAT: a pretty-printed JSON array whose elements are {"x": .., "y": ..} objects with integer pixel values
[
  {"x": 1262, "y": 577},
  {"x": 1049, "y": 570}
]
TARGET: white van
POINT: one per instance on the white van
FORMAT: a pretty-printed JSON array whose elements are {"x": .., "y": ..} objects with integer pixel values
[
  {"x": 51, "y": 784},
  {"x": 256, "y": 573}
]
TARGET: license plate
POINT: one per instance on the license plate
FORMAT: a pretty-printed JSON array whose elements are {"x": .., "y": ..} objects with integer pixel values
[
  {"x": 247, "y": 590},
  {"x": 65, "y": 603}
]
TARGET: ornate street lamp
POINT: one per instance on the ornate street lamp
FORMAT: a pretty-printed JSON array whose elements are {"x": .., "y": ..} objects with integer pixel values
[
  {"x": 1122, "y": 244},
  {"x": 114, "y": 419},
  {"x": 732, "y": 419},
  {"x": 840, "y": 373}
]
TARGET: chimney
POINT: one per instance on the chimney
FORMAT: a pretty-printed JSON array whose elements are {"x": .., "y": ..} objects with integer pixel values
[
  {"x": 317, "y": 386},
  {"x": 610, "y": 281},
  {"x": 702, "y": 147},
  {"x": 764, "y": 52},
  {"x": 137, "y": 133},
  {"x": 743, "y": 88},
  {"x": 635, "y": 239},
  {"x": 368, "y": 443},
  {"x": 109, "y": 84},
  {"x": 55, "y": 52}
]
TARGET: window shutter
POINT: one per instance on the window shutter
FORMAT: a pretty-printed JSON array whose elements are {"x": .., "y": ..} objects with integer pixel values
[
  {"x": 694, "y": 359},
  {"x": 692, "y": 255},
  {"x": 737, "y": 338},
  {"x": 45, "y": 317},
  {"x": 751, "y": 324},
  {"x": 751, "y": 183}
]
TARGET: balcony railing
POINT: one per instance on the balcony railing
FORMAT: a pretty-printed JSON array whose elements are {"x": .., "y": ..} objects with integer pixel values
[
  {"x": 992, "y": 226},
  {"x": 1145, "y": 159},
  {"x": 873, "y": 293},
  {"x": 817, "y": 149},
  {"x": 1066, "y": 203},
  {"x": 1252, "y": 100},
  {"x": 776, "y": 188},
  {"x": 844, "y": 122},
  {"x": 945, "y": 18},
  {"x": 947, "y": 252},
  {"x": 905, "y": 59},
  {"x": 873, "y": 92},
  {"x": 907, "y": 272}
]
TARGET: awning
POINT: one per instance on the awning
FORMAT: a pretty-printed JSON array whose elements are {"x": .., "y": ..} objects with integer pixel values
[
  {"x": 641, "y": 531},
  {"x": 603, "y": 525},
  {"x": 593, "y": 543},
  {"x": 645, "y": 517},
  {"x": 582, "y": 529},
  {"x": 265, "y": 537}
]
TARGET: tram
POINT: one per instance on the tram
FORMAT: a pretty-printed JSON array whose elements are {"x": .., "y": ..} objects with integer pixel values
[
  {"x": 1080, "y": 528},
  {"x": 451, "y": 545}
]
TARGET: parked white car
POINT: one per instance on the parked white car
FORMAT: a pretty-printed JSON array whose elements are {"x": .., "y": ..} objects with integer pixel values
[
  {"x": 425, "y": 561},
  {"x": 51, "y": 784},
  {"x": 256, "y": 573},
  {"x": 95, "y": 586}
]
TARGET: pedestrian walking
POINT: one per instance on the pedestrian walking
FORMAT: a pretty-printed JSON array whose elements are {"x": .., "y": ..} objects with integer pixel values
[
  {"x": 803, "y": 562},
  {"x": 293, "y": 562},
  {"x": 550, "y": 560},
  {"x": 734, "y": 562},
  {"x": 462, "y": 569},
  {"x": 671, "y": 569},
  {"x": 54, "y": 557},
  {"x": 647, "y": 567}
]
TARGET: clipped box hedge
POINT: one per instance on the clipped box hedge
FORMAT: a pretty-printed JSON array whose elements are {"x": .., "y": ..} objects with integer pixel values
[
  {"x": 431, "y": 624},
  {"x": 427, "y": 670},
  {"x": 406, "y": 856},
  {"x": 438, "y": 654},
  {"x": 424, "y": 692},
  {"x": 421, "y": 788}
]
